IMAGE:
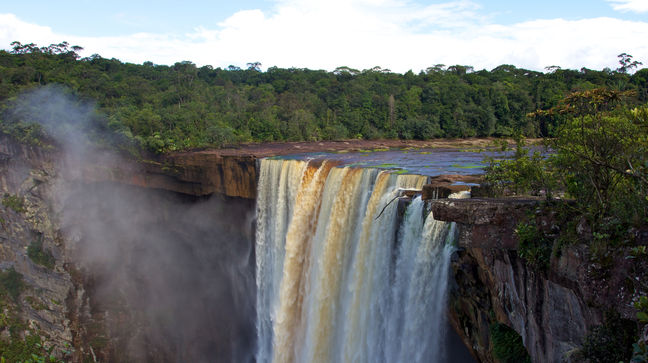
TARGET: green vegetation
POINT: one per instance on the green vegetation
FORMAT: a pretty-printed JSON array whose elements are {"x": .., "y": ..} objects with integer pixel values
[
  {"x": 14, "y": 202},
  {"x": 11, "y": 284},
  {"x": 166, "y": 108},
  {"x": 610, "y": 342},
  {"x": 640, "y": 348},
  {"x": 507, "y": 345},
  {"x": 534, "y": 247},
  {"x": 599, "y": 159},
  {"x": 468, "y": 166},
  {"x": 598, "y": 165},
  {"x": 22, "y": 344},
  {"x": 29, "y": 349},
  {"x": 525, "y": 173},
  {"x": 39, "y": 255},
  {"x": 34, "y": 303}
]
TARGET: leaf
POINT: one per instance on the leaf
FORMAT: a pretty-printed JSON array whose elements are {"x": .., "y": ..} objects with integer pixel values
[{"x": 642, "y": 316}]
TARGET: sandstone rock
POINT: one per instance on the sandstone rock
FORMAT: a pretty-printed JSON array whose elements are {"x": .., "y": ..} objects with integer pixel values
[
  {"x": 442, "y": 190},
  {"x": 198, "y": 174},
  {"x": 552, "y": 310}
]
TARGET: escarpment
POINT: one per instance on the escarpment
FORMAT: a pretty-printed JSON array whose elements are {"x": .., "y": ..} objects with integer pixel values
[
  {"x": 553, "y": 307},
  {"x": 183, "y": 223},
  {"x": 117, "y": 262}
]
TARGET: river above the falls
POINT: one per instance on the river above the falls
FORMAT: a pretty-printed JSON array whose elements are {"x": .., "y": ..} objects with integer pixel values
[{"x": 428, "y": 162}]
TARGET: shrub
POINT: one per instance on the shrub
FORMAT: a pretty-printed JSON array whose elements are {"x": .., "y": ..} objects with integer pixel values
[
  {"x": 507, "y": 344},
  {"x": 39, "y": 255},
  {"x": 27, "y": 350},
  {"x": 526, "y": 173},
  {"x": 11, "y": 283},
  {"x": 610, "y": 342},
  {"x": 14, "y": 202},
  {"x": 534, "y": 247}
]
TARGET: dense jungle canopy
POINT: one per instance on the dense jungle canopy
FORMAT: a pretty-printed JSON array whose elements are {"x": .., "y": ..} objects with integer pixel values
[{"x": 182, "y": 106}]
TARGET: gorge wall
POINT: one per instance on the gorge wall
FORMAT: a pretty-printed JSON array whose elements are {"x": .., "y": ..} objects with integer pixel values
[
  {"x": 553, "y": 310},
  {"x": 168, "y": 220},
  {"x": 137, "y": 270}
]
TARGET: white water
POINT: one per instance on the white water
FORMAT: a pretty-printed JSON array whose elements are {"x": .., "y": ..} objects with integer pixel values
[{"x": 334, "y": 281}]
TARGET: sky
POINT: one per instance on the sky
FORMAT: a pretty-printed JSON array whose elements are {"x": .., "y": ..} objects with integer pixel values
[{"x": 399, "y": 35}]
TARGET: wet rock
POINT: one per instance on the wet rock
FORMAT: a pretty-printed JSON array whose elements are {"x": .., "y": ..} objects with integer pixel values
[
  {"x": 443, "y": 185},
  {"x": 436, "y": 191}
]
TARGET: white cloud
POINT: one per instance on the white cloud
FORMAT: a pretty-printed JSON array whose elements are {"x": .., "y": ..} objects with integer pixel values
[
  {"x": 638, "y": 6},
  {"x": 395, "y": 34},
  {"x": 12, "y": 28}
]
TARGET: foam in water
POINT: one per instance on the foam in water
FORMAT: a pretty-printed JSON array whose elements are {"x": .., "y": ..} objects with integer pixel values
[{"x": 335, "y": 283}]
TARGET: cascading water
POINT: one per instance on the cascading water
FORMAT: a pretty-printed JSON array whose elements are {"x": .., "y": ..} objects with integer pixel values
[{"x": 335, "y": 281}]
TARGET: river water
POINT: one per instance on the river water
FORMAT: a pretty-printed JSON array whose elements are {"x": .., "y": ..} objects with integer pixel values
[{"x": 341, "y": 277}]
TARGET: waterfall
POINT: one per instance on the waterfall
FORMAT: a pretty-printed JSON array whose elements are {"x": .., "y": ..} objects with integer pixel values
[{"x": 338, "y": 280}]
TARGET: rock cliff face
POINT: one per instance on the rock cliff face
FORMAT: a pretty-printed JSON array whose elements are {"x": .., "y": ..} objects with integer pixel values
[
  {"x": 48, "y": 301},
  {"x": 551, "y": 310},
  {"x": 197, "y": 174},
  {"x": 129, "y": 262}
]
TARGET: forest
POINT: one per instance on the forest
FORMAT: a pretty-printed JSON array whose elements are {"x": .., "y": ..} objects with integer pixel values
[
  {"x": 595, "y": 122},
  {"x": 164, "y": 108}
]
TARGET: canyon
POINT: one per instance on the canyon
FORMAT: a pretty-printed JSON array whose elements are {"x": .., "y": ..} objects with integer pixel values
[{"x": 177, "y": 232}]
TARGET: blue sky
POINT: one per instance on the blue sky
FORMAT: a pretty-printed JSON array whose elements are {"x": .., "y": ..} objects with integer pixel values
[{"x": 324, "y": 34}]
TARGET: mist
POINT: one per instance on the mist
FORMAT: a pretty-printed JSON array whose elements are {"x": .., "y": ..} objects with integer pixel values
[{"x": 170, "y": 276}]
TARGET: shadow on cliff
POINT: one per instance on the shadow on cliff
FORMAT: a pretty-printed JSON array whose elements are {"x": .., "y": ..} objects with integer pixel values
[
  {"x": 171, "y": 277},
  {"x": 173, "y": 273}
]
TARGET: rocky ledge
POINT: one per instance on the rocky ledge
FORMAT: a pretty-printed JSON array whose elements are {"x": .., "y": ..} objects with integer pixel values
[
  {"x": 232, "y": 171},
  {"x": 485, "y": 223},
  {"x": 553, "y": 308}
]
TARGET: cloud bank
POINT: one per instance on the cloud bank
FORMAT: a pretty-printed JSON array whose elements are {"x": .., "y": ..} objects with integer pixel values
[
  {"x": 393, "y": 34},
  {"x": 637, "y": 6}
]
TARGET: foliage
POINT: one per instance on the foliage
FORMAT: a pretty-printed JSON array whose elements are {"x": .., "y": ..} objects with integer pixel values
[
  {"x": 534, "y": 247},
  {"x": 642, "y": 307},
  {"x": 39, "y": 255},
  {"x": 527, "y": 172},
  {"x": 26, "y": 133},
  {"x": 34, "y": 303},
  {"x": 603, "y": 161},
  {"x": 11, "y": 284},
  {"x": 640, "y": 348},
  {"x": 639, "y": 352},
  {"x": 599, "y": 155},
  {"x": 19, "y": 345},
  {"x": 29, "y": 349},
  {"x": 507, "y": 344},
  {"x": 626, "y": 62},
  {"x": 166, "y": 108},
  {"x": 14, "y": 202},
  {"x": 610, "y": 342}
]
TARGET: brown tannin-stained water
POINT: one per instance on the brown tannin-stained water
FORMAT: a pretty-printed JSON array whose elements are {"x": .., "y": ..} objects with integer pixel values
[{"x": 341, "y": 277}]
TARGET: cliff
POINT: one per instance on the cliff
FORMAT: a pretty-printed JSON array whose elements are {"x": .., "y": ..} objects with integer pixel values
[
  {"x": 84, "y": 243},
  {"x": 31, "y": 244},
  {"x": 553, "y": 310},
  {"x": 201, "y": 197},
  {"x": 197, "y": 174}
]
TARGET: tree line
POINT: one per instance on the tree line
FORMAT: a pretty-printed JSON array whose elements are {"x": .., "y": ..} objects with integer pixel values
[{"x": 182, "y": 106}]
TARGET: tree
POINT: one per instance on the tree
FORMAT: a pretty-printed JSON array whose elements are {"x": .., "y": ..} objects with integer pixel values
[
  {"x": 600, "y": 156},
  {"x": 254, "y": 66},
  {"x": 627, "y": 64},
  {"x": 552, "y": 69}
]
